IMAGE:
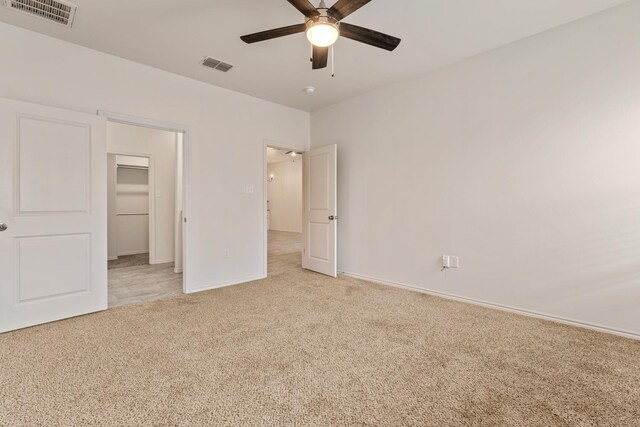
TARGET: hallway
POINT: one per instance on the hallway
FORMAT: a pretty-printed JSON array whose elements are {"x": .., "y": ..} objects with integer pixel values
[{"x": 284, "y": 252}]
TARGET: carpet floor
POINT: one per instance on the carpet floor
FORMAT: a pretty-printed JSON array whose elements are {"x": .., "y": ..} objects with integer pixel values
[{"x": 302, "y": 349}]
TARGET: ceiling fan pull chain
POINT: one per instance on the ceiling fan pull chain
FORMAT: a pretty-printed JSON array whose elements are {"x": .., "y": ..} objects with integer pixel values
[{"x": 333, "y": 60}]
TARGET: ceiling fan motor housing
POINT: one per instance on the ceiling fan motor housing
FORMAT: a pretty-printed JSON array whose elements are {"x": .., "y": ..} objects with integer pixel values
[{"x": 323, "y": 18}]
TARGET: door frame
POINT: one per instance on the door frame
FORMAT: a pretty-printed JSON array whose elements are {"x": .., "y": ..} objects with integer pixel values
[
  {"x": 186, "y": 170},
  {"x": 265, "y": 179},
  {"x": 152, "y": 199}
]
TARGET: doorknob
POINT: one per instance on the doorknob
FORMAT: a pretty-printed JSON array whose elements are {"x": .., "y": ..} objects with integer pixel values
[
  {"x": 3, "y": 226},
  {"x": 331, "y": 218}
]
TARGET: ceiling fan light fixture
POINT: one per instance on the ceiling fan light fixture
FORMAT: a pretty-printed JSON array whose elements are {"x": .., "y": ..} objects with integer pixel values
[{"x": 322, "y": 31}]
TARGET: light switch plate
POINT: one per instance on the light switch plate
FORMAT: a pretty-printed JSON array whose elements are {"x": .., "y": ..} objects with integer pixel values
[{"x": 450, "y": 261}]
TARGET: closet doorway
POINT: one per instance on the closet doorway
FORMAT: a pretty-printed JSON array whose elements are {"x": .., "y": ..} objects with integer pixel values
[{"x": 144, "y": 206}]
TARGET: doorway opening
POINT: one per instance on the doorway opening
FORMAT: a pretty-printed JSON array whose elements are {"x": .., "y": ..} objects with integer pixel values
[
  {"x": 145, "y": 183},
  {"x": 284, "y": 210}
]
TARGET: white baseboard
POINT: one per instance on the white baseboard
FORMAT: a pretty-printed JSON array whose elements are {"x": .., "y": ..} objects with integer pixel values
[
  {"x": 162, "y": 261},
  {"x": 177, "y": 270},
  {"x": 132, "y": 253},
  {"x": 112, "y": 258},
  {"x": 286, "y": 231},
  {"x": 529, "y": 313},
  {"x": 224, "y": 285}
]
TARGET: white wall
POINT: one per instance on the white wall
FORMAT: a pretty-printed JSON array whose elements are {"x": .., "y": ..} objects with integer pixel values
[
  {"x": 226, "y": 150},
  {"x": 285, "y": 196},
  {"x": 161, "y": 147},
  {"x": 524, "y": 161}
]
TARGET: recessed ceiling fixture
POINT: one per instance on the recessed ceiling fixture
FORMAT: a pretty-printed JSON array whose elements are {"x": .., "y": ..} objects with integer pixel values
[
  {"x": 323, "y": 26},
  {"x": 309, "y": 89},
  {"x": 58, "y": 11}
]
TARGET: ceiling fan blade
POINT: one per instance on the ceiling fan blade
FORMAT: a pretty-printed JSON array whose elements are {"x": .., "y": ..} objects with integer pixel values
[
  {"x": 370, "y": 37},
  {"x": 320, "y": 57},
  {"x": 344, "y": 8},
  {"x": 272, "y": 34},
  {"x": 305, "y": 7}
]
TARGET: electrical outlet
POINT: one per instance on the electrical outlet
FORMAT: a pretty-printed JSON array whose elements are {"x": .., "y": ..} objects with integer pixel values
[
  {"x": 227, "y": 253},
  {"x": 248, "y": 189}
]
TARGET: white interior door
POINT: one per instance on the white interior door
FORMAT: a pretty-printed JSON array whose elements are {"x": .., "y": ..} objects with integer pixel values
[
  {"x": 320, "y": 193},
  {"x": 53, "y": 204}
]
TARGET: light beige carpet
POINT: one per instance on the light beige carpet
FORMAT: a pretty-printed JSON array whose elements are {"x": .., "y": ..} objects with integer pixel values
[{"x": 301, "y": 349}]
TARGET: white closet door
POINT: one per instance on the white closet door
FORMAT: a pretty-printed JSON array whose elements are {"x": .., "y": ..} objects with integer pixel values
[{"x": 53, "y": 204}]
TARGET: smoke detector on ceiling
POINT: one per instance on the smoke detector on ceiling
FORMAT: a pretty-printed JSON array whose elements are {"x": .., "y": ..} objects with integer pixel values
[{"x": 58, "y": 11}]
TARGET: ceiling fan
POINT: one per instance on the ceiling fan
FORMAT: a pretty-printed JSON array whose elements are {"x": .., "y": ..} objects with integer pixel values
[{"x": 323, "y": 26}]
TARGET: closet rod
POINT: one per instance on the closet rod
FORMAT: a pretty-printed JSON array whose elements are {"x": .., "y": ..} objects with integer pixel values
[{"x": 133, "y": 167}]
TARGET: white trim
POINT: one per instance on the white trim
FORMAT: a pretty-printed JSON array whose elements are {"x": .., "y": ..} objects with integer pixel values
[
  {"x": 162, "y": 261},
  {"x": 226, "y": 285},
  {"x": 112, "y": 258},
  {"x": 265, "y": 222},
  {"x": 141, "y": 121},
  {"x": 131, "y": 253},
  {"x": 186, "y": 162},
  {"x": 177, "y": 270},
  {"x": 529, "y": 313}
]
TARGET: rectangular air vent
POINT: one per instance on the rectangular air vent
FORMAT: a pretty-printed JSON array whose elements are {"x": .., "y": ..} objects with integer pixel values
[
  {"x": 216, "y": 64},
  {"x": 58, "y": 11}
]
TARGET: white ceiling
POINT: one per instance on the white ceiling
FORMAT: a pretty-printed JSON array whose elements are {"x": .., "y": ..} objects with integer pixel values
[
  {"x": 176, "y": 35},
  {"x": 276, "y": 155}
]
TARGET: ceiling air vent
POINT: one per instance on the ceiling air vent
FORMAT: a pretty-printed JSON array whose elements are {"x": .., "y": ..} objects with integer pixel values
[
  {"x": 216, "y": 64},
  {"x": 58, "y": 11}
]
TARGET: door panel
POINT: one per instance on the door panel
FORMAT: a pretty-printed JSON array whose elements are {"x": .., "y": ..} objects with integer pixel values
[
  {"x": 44, "y": 266},
  {"x": 320, "y": 210},
  {"x": 53, "y": 200},
  {"x": 53, "y": 166},
  {"x": 319, "y": 241},
  {"x": 318, "y": 181}
]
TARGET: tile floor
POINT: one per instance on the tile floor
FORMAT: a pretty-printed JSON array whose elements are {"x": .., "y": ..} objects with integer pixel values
[
  {"x": 132, "y": 280},
  {"x": 284, "y": 252}
]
